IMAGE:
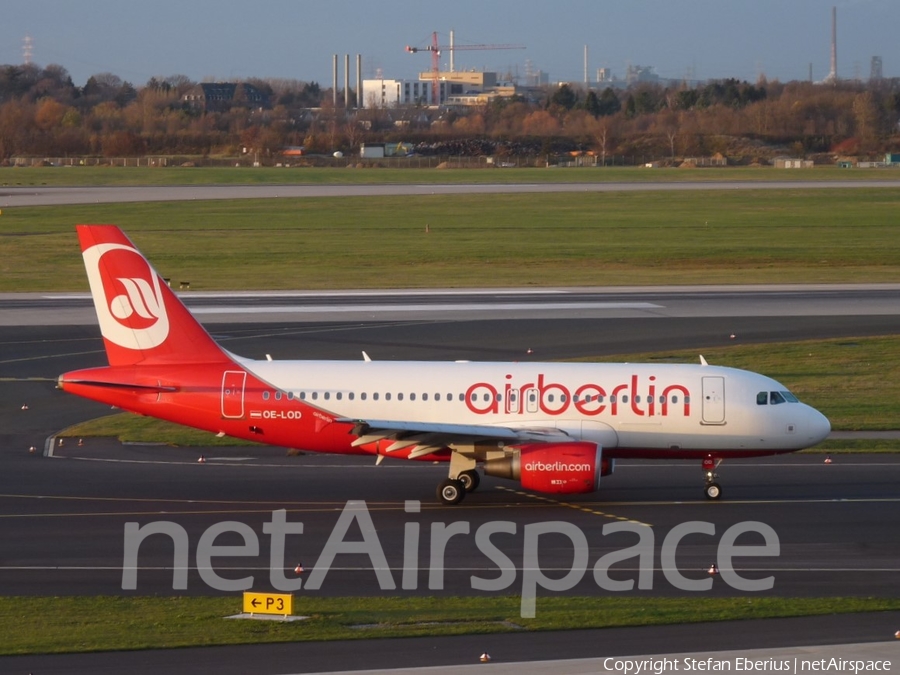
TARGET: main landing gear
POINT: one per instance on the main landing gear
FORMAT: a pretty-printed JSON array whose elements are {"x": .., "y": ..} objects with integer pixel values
[
  {"x": 451, "y": 491},
  {"x": 712, "y": 490},
  {"x": 463, "y": 478}
]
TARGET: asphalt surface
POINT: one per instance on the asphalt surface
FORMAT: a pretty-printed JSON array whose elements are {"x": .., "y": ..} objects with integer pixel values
[
  {"x": 845, "y": 303},
  {"x": 62, "y": 517},
  {"x": 52, "y": 196}
]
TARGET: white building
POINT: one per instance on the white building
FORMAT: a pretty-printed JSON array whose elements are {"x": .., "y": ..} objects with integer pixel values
[{"x": 391, "y": 93}]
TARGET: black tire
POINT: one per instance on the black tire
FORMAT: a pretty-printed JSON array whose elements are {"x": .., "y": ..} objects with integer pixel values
[
  {"x": 470, "y": 480},
  {"x": 713, "y": 491},
  {"x": 451, "y": 492}
]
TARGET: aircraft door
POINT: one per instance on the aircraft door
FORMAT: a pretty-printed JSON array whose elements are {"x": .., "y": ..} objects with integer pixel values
[
  {"x": 714, "y": 400},
  {"x": 512, "y": 401},
  {"x": 233, "y": 382},
  {"x": 531, "y": 400}
]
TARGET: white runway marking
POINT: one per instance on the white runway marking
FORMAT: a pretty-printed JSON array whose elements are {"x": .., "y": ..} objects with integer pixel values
[{"x": 462, "y": 307}]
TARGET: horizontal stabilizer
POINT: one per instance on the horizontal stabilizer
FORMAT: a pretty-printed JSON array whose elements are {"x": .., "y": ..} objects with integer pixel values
[{"x": 154, "y": 388}]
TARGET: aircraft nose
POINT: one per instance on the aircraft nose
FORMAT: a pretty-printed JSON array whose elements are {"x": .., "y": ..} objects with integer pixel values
[{"x": 818, "y": 424}]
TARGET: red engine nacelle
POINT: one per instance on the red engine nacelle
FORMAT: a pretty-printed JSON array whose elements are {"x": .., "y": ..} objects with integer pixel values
[{"x": 561, "y": 468}]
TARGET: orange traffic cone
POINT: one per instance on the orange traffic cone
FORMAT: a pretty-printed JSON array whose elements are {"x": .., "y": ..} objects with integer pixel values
[
  {"x": 828, "y": 459},
  {"x": 32, "y": 449},
  {"x": 485, "y": 657},
  {"x": 25, "y": 406},
  {"x": 713, "y": 570},
  {"x": 298, "y": 569},
  {"x": 201, "y": 460}
]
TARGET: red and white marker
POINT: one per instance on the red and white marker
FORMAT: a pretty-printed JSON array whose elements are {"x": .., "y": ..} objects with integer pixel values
[
  {"x": 713, "y": 569},
  {"x": 484, "y": 658},
  {"x": 828, "y": 459},
  {"x": 298, "y": 569},
  {"x": 201, "y": 460}
]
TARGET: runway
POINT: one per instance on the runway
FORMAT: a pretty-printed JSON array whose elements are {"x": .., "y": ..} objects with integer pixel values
[
  {"x": 62, "y": 518},
  {"x": 55, "y": 196},
  {"x": 831, "y": 520},
  {"x": 547, "y": 304}
]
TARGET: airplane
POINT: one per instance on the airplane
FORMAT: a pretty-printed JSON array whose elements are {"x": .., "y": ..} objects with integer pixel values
[{"x": 555, "y": 428}]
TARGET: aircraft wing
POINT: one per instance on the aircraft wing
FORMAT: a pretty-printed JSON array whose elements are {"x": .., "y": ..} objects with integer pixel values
[{"x": 429, "y": 437}]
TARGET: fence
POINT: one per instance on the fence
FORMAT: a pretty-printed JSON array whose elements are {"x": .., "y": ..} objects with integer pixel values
[{"x": 411, "y": 162}]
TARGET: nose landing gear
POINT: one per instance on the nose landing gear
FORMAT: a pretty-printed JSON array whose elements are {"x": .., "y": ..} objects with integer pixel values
[{"x": 712, "y": 490}]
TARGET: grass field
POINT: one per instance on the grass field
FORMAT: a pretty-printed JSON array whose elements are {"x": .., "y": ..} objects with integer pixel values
[
  {"x": 581, "y": 239},
  {"x": 81, "y": 624},
  {"x": 105, "y": 175}
]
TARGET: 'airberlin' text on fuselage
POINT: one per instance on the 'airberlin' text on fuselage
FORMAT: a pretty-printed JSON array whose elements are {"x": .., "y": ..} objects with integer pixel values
[{"x": 553, "y": 398}]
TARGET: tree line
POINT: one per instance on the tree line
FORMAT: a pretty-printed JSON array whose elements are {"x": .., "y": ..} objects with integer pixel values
[{"x": 42, "y": 113}]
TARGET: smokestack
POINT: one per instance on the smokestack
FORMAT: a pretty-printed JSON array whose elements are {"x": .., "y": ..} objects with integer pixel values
[
  {"x": 452, "y": 52},
  {"x": 586, "y": 81},
  {"x": 359, "y": 99},
  {"x": 832, "y": 76},
  {"x": 346, "y": 80},
  {"x": 334, "y": 76}
]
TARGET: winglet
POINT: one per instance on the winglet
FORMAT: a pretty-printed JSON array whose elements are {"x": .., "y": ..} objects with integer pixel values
[
  {"x": 366, "y": 357},
  {"x": 703, "y": 361}
]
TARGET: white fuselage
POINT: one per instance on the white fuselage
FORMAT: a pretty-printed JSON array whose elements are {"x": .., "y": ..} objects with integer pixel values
[{"x": 628, "y": 409}]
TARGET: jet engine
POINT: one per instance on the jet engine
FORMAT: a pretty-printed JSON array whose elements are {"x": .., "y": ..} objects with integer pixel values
[{"x": 560, "y": 468}]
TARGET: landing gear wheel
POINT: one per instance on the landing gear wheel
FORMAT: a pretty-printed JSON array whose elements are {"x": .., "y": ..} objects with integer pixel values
[
  {"x": 451, "y": 492},
  {"x": 470, "y": 480},
  {"x": 713, "y": 491}
]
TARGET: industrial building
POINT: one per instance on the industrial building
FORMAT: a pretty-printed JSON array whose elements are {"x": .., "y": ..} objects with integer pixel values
[{"x": 460, "y": 87}]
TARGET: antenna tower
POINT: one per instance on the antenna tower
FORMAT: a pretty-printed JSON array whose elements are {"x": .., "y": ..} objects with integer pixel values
[{"x": 27, "y": 49}]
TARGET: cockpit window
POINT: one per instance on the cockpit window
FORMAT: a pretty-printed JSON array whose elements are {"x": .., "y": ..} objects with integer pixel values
[{"x": 775, "y": 397}]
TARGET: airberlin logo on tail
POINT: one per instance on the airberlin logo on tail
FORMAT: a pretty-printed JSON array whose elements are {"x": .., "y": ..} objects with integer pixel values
[
  {"x": 139, "y": 299},
  {"x": 127, "y": 296}
]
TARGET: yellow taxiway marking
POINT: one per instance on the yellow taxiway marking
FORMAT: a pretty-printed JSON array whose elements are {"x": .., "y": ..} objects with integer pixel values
[{"x": 578, "y": 507}]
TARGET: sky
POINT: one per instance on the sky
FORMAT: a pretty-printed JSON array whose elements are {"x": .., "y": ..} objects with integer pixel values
[{"x": 221, "y": 40}]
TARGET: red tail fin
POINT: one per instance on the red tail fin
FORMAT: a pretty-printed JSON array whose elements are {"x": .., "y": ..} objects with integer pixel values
[{"x": 141, "y": 319}]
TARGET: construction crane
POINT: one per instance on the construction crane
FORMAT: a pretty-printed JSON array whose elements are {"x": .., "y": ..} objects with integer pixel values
[{"x": 436, "y": 50}]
